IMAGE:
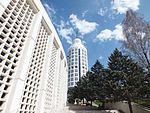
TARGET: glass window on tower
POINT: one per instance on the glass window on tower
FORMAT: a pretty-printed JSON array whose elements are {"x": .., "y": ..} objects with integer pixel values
[
  {"x": 76, "y": 74},
  {"x": 71, "y": 75},
  {"x": 72, "y": 83},
  {"x": 76, "y": 78},
  {"x": 76, "y": 70},
  {"x": 68, "y": 80}
]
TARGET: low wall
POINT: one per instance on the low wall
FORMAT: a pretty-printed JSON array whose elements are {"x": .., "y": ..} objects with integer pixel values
[{"x": 123, "y": 106}]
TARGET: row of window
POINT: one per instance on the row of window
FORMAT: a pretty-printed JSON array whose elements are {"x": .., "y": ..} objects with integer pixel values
[
  {"x": 71, "y": 84},
  {"x": 73, "y": 79},
  {"x": 72, "y": 67},
  {"x": 72, "y": 75},
  {"x": 76, "y": 53}
]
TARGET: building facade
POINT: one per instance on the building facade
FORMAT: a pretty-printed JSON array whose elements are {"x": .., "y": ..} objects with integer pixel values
[
  {"x": 77, "y": 62},
  {"x": 33, "y": 65}
]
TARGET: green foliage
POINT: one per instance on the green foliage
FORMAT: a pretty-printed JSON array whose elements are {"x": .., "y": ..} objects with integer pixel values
[
  {"x": 143, "y": 102},
  {"x": 125, "y": 78},
  {"x": 98, "y": 102},
  {"x": 90, "y": 86},
  {"x": 71, "y": 95},
  {"x": 97, "y": 68}
]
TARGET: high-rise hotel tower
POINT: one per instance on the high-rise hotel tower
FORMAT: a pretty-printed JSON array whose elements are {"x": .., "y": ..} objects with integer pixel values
[
  {"x": 77, "y": 62},
  {"x": 33, "y": 67}
]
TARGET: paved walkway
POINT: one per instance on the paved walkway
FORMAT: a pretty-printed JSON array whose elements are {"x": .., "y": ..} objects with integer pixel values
[{"x": 84, "y": 109}]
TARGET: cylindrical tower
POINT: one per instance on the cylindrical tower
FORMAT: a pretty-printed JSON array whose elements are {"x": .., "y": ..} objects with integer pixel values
[{"x": 77, "y": 62}]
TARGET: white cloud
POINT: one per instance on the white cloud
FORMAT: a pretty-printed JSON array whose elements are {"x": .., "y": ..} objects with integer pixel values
[
  {"x": 121, "y": 6},
  {"x": 65, "y": 32},
  {"x": 83, "y": 42},
  {"x": 107, "y": 34},
  {"x": 102, "y": 11},
  {"x": 118, "y": 32},
  {"x": 83, "y": 26},
  {"x": 84, "y": 13},
  {"x": 49, "y": 10},
  {"x": 104, "y": 35},
  {"x": 100, "y": 57}
]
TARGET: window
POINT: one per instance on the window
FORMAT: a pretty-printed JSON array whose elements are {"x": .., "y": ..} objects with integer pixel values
[
  {"x": 72, "y": 71},
  {"x": 76, "y": 70},
  {"x": 68, "y": 80},
  {"x": 76, "y": 74},
  {"x": 76, "y": 78},
  {"x": 71, "y": 75},
  {"x": 72, "y": 83}
]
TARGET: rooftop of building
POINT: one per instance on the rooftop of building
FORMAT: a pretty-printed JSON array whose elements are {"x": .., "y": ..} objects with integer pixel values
[{"x": 77, "y": 43}]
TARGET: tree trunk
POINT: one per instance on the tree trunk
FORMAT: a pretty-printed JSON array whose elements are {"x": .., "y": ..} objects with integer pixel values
[
  {"x": 103, "y": 105},
  {"x": 91, "y": 102},
  {"x": 130, "y": 106}
]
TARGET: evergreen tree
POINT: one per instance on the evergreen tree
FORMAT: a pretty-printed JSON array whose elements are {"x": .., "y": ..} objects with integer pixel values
[
  {"x": 95, "y": 82},
  {"x": 98, "y": 72},
  {"x": 146, "y": 84},
  {"x": 81, "y": 88},
  {"x": 71, "y": 95},
  {"x": 97, "y": 67},
  {"x": 90, "y": 86},
  {"x": 125, "y": 78}
]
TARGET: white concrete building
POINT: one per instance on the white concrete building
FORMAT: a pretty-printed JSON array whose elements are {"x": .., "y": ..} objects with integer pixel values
[
  {"x": 77, "y": 62},
  {"x": 33, "y": 67}
]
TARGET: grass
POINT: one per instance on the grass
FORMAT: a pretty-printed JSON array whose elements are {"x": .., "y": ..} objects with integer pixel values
[
  {"x": 144, "y": 102},
  {"x": 98, "y": 102}
]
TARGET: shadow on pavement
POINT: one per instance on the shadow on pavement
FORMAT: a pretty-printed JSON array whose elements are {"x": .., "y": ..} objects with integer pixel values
[{"x": 86, "y": 109}]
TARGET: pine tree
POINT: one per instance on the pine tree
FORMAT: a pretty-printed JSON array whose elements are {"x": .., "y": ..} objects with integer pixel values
[
  {"x": 71, "y": 95},
  {"x": 125, "y": 78},
  {"x": 96, "y": 82},
  {"x": 97, "y": 67},
  {"x": 81, "y": 88},
  {"x": 90, "y": 86}
]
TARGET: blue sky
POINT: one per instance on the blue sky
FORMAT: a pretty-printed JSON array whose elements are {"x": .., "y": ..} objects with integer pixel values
[{"x": 96, "y": 22}]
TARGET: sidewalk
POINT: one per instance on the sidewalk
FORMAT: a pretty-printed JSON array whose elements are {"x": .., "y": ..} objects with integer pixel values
[{"x": 84, "y": 109}]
